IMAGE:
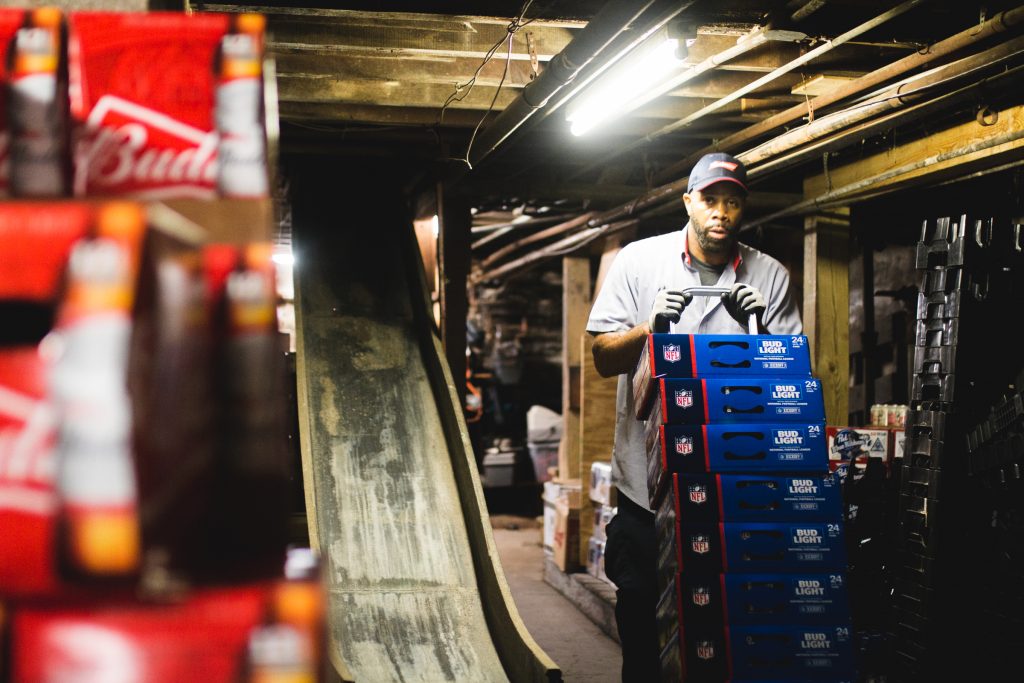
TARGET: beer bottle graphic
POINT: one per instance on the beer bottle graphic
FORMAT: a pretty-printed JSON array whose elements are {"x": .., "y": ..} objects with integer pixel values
[
  {"x": 96, "y": 485},
  {"x": 37, "y": 107},
  {"x": 238, "y": 110}
]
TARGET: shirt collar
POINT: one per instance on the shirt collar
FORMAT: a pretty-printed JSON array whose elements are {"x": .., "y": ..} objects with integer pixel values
[{"x": 737, "y": 257}]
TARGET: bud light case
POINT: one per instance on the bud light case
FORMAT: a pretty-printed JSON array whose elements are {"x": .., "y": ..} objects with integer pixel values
[
  {"x": 737, "y": 399},
  {"x": 748, "y": 546},
  {"x": 735, "y": 448},
  {"x": 728, "y": 600},
  {"x": 696, "y": 653},
  {"x": 759, "y": 654},
  {"x": 710, "y": 498},
  {"x": 706, "y": 355},
  {"x": 792, "y": 653}
]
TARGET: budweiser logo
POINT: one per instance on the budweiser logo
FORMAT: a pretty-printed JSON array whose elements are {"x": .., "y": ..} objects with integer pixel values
[
  {"x": 132, "y": 150},
  {"x": 26, "y": 453}
]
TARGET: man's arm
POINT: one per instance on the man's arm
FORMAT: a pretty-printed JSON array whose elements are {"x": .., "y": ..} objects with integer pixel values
[{"x": 616, "y": 353}]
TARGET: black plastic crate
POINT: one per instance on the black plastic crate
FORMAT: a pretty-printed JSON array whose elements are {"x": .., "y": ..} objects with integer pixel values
[
  {"x": 923, "y": 451},
  {"x": 937, "y": 332},
  {"x": 937, "y": 387},
  {"x": 952, "y": 243},
  {"x": 935, "y": 360},
  {"x": 925, "y": 422},
  {"x": 922, "y": 482}
]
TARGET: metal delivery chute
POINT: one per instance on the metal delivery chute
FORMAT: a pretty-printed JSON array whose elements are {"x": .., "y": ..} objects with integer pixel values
[{"x": 393, "y": 496}]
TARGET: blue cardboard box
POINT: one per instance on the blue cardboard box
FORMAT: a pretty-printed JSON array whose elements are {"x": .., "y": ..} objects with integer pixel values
[
  {"x": 732, "y": 448},
  {"x": 707, "y": 355},
  {"x": 747, "y": 546},
  {"x": 736, "y": 400},
  {"x": 759, "y": 653},
  {"x": 711, "y": 498},
  {"x": 728, "y": 600}
]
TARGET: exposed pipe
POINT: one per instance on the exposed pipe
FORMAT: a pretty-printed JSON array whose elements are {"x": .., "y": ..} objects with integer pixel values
[
  {"x": 837, "y": 197},
  {"x": 802, "y": 155},
  {"x": 609, "y": 22},
  {"x": 809, "y": 8},
  {"x": 1000, "y": 23},
  {"x": 817, "y": 133},
  {"x": 561, "y": 228},
  {"x": 810, "y": 56},
  {"x": 847, "y": 193}
]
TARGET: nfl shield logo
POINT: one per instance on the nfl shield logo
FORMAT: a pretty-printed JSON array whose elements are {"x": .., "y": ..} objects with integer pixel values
[
  {"x": 701, "y": 596},
  {"x": 671, "y": 352},
  {"x": 700, "y": 544},
  {"x": 684, "y": 445},
  {"x": 698, "y": 493},
  {"x": 705, "y": 649},
  {"x": 684, "y": 398}
]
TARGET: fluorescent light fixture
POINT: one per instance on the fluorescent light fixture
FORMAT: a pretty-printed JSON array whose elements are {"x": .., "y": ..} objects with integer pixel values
[{"x": 628, "y": 84}]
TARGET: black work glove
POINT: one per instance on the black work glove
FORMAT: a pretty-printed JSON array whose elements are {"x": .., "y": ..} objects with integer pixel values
[
  {"x": 668, "y": 306},
  {"x": 743, "y": 300}
]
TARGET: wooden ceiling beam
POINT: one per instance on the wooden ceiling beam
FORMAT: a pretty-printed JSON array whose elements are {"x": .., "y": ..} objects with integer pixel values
[
  {"x": 386, "y": 68},
  {"x": 381, "y": 37},
  {"x": 362, "y": 16},
  {"x": 320, "y": 113},
  {"x": 389, "y": 93}
]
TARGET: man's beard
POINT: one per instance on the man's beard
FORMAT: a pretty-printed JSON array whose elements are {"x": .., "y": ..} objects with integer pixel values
[{"x": 710, "y": 245}]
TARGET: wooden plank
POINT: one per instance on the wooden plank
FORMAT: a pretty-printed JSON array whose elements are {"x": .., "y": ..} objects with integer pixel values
[
  {"x": 597, "y": 431},
  {"x": 575, "y": 309},
  {"x": 826, "y": 313},
  {"x": 452, "y": 39},
  {"x": 303, "y": 88},
  {"x": 454, "y": 221},
  {"x": 390, "y": 68}
]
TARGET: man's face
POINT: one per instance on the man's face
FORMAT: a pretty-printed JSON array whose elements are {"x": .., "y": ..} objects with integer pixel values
[{"x": 715, "y": 214}]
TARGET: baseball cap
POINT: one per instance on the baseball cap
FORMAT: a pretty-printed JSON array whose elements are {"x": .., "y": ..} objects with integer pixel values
[{"x": 717, "y": 167}]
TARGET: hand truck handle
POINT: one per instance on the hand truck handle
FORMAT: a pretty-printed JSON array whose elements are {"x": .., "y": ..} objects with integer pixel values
[{"x": 719, "y": 291}]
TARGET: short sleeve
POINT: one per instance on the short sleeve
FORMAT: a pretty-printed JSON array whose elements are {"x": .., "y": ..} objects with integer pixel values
[
  {"x": 782, "y": 316},
  {"x": 615, "y": 308}
]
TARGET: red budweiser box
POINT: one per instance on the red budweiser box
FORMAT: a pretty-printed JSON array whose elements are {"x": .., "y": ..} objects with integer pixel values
[
  {"x": 30, "y": 277},
  {"x": 142, "y": 90},
  {"x": 203, "y": 638},
  {"x": 10, "y": 20}
]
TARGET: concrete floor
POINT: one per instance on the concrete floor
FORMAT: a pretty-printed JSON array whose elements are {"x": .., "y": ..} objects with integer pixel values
[{"x": 577, "y": 645}]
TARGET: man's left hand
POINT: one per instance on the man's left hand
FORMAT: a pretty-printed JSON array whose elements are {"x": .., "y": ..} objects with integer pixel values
[{"x": 744, "y": 300}]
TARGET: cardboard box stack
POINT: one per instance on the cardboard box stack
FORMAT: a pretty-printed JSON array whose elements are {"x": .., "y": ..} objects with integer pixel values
[
  {"x": 602, "y": 494},
  {"x": 751, "y": 558}
]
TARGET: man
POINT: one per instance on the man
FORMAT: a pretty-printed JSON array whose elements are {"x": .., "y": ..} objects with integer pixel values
[{"x": 643, "y": 292}]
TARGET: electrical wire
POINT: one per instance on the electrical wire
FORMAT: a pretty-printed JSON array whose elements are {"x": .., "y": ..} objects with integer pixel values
[{"x": 462, "y": 90}]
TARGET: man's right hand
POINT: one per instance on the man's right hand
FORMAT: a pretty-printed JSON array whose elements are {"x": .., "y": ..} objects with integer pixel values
[{"x": 668, "y": 307}]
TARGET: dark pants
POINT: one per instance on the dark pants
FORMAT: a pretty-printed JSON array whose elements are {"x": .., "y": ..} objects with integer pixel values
[{"x": 631, "y": 563}]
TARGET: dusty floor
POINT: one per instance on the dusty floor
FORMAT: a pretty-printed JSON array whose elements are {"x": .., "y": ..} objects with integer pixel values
[{"x": 577, "y": 645}]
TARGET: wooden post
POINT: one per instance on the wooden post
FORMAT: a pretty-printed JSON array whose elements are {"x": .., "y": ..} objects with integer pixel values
[
  {"x": 826, "y": 312},
  {"x": 597, "y": 432},
  {"x": 575, "y": 310},
  {"x": 454, "y": 221}
]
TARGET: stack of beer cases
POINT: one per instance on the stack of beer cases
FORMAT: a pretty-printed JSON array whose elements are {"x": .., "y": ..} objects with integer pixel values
[
  {"x": 969, "y": 278},
  {"x": 749, "y": 522},
  {"x": 143, "y": 470}
]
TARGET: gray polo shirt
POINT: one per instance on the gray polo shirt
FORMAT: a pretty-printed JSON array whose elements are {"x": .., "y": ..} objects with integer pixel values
[{"x": 636, "y": 275}]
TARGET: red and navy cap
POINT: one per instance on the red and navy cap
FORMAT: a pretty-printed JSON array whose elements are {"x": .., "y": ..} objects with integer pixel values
[{"x": 717, "y": 167}]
